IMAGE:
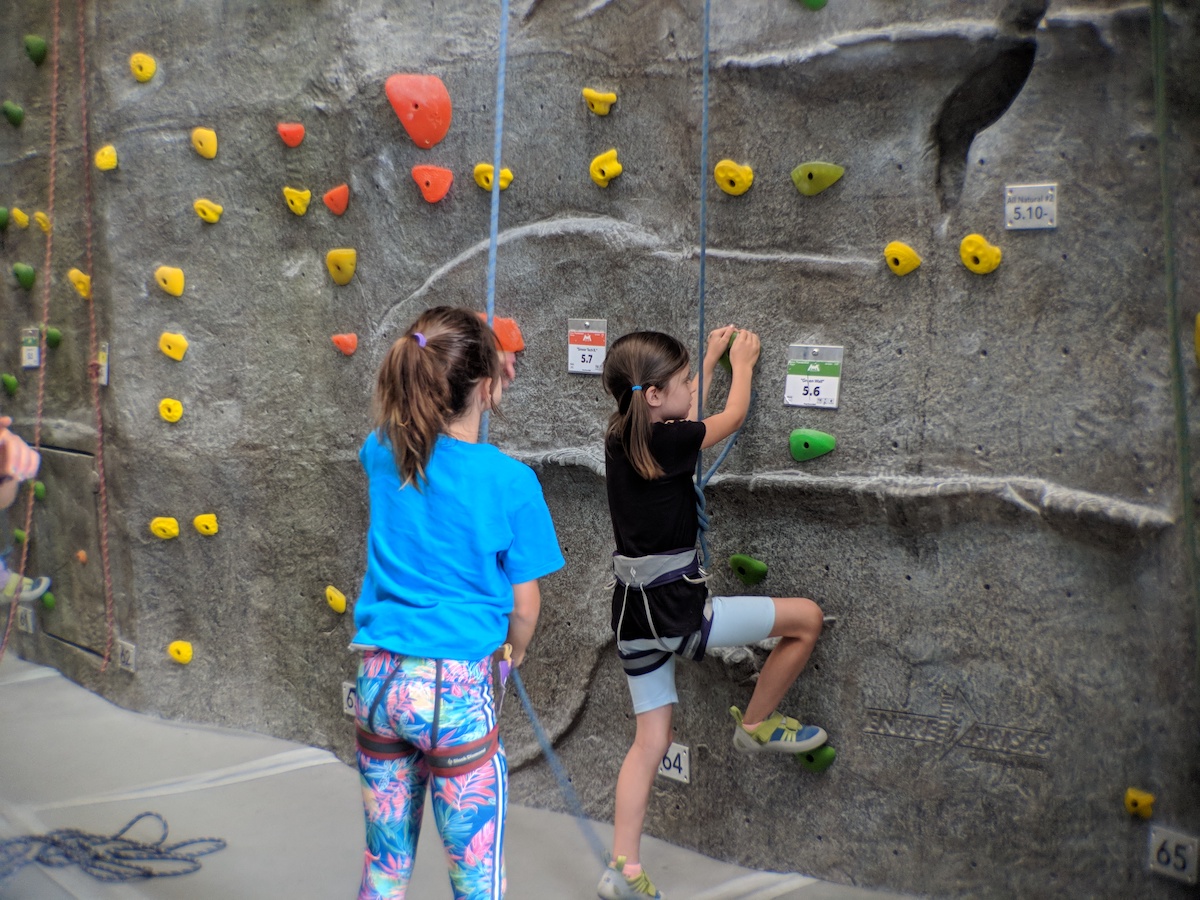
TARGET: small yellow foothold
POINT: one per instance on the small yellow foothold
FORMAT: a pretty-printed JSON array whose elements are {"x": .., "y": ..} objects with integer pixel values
[
  {"x": 341, "y": 264},
  {"x": 206, "y": 524},
  {"x": 483, "y": 176},
  {"x": 978, "y": 255},
  {"x": 205, "y": 142},
  {"x": 170, "y": 410},
  {"x": 297, "y": 201},
  {"x": 164, "y": 527},
  {"x": 106, "y": 158},
  {"x": 19, "y": 217},
  {"x": 598, "y": 102},
  {"x": 143, "y": 66},
  {"x": 901, "y": 258},
  {"x": 208, "y": 211},
  {"x": 83, "y": 283},
  {"x": 336, "y": 599},
  {"x": 180, "y": 651},
  {"x": 43, "y": 221},
  {"x": 732, "y": 178},
  {"x": 170, "y": 280},
  {"x": 1139, "y": 803},
  {"x": 174, "y": 345},
  {"x": 605, "y": 168}
]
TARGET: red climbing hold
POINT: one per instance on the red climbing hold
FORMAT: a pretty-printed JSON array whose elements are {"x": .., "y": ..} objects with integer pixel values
[
  {"x": 433, "y": 181},
  {"x": 347, "y": 343},
  {"x": 423, "y": 105},
  {"x": 291, "y": 132},
  {"x": 337, "y": 199}
]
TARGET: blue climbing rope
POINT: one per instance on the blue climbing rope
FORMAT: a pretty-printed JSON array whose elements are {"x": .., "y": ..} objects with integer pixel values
[{"x": 497, "y": 142}]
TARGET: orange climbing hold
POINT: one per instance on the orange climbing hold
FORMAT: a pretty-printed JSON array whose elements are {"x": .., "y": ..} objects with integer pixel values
[
  {"x": 508, "y": 333},
  {"x": 434, "y": 181},
  {"x": 337, "y": 199},
  {"x": 423, "y": 105},
  {"x": 347, "y": 343},
  {"x": 81, "y": 555},
  {"x": 292, "y": 133}
]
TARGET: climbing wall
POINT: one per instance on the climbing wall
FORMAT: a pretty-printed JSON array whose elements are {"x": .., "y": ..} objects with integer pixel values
[{"x": 998, "y": 538}]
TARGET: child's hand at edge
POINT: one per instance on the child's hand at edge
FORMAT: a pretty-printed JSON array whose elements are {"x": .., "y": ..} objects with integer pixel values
[
  {"x": 745, "y": 350},
  {"x": 17, "y": 459}
]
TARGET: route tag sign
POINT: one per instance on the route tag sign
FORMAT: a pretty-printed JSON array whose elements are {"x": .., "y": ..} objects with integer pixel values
[
  {"x": 586, "y": 344},
  {"x": 30, "y": 356},
  {"x": 1030, "y": 206},
  {"x": 814, "y": 376}
]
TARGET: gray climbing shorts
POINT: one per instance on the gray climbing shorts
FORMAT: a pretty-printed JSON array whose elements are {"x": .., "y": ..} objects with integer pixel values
[{"x": 735, "y": 621}]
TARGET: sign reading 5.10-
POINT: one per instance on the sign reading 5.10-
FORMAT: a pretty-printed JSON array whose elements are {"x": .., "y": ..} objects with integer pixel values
[{"x": 1030, "y": 206}]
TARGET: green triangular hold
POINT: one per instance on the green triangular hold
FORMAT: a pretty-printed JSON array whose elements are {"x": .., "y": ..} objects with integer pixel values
[
  {"x": 12, "y": 112},
  {"x": 53, "y": 337},
  {"x": 747, "y": 568},
  {"x": 35, "y": 46},
  {"x": 806, "y": 443},
  {"x": 48, "y": 601},
  {"x": 39, "y": 490},
  {"x": 3, "y": 218},
  {"x": 811, "y": 178},
  {"x": 815, "y": 4},
  {"x": 19, "y": 535},
  {"x": 10, "y": 384},
  {"x": 724, "y": 360},
  {"x": 25, "y": 275}
]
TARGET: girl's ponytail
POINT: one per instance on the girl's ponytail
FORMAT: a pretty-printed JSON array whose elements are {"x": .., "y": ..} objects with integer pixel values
[
  {"x": 426, "y": 380},
  {"x": 635, "y": 362}
]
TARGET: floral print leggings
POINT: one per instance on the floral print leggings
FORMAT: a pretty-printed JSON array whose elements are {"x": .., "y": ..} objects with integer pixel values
[{"x": 469, "y": 809}]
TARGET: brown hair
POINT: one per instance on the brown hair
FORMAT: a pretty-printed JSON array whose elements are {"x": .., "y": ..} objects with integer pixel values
[
  {"x": 426, "y": 380},
  {"x": 639, "y": 360}
]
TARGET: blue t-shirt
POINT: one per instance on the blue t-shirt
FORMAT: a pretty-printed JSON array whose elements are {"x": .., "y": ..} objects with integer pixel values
[{"x": 442, "y": 560}]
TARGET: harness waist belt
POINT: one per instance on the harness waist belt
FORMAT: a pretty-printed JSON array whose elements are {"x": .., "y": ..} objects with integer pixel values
[
  {"x": 443, "y": 761},
  {"x": 656, "y": 569}
]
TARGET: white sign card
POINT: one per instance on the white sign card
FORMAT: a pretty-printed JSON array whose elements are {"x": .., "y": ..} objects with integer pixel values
[
  {"x": 586, "y": 345},
  {"x": 1030, "y": 206},
  {"x": 814, "y": 376}
]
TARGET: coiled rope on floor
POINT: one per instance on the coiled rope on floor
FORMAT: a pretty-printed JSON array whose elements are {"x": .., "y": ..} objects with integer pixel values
[{"x": 113, "y": 858}]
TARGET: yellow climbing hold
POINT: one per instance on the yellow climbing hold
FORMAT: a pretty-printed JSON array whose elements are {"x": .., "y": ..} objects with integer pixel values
[
  {"x": 83, "y": 283},
  {"x": 483, "y": 176},
  {"x": 170, "y": 280},
  {"x": 598, "y": 102},
  {"x": 106, "y": 158},
  {"x": 19, "y": 217},
  {"x": 605, "y": 168},
  {"x": 205, "y": 524},
  {"x": 205, "y": 142},
  {"x": 978, "y": 255},
  {"x": 297, "y": 201},
  {"x": 164, "y": 527},
  {"x": 180, "y": 651},
  {"x": 732, "y": 178},
  {"x": 341, "y": 264},
  {"x": 143, "y": 66},
  {"x": 336, "y": 599},
  {"x": 901, "y": 258},
  {"x": 208, "y": 211},
  {"x": 174, "y": 345},
  {"x": 43, "y": 221},
  {"x": 170, "y": 410}
]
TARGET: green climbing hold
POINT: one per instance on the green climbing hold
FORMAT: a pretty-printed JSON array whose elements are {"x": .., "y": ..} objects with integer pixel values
[
  {"x": 35, "y": 46},
  {"x": 747, "y": 568},
  {"x": 724, "y": 360},
  {"x": 806, "y": 443},
  {"x": 19, "y": 535},
  {"x": 53, "y": 337},
  {"x": 25, "y": 274},
  {"x": 818, "y": 760},
  {"x": 48, "y": 601},
  {"x": 3, "y": 218},
  {"x": 12, "y": 112},
  {"x": 815, "y": 4},
  {"x": 10, "y": 384},
  {"x": 811, "y": 178},
  {"x": 39, "y": 490}
]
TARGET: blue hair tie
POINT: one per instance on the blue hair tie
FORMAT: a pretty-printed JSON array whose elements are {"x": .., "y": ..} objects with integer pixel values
[
  {"x": 636, "y": 387},
  {"x": 420, "y": 338}
]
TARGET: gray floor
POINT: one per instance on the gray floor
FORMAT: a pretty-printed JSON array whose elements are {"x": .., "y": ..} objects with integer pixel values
[{"x": 291, "y": 815}]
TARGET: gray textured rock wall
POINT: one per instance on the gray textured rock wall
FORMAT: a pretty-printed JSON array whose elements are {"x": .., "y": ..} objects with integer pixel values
[{"x": 998, "y": 537}]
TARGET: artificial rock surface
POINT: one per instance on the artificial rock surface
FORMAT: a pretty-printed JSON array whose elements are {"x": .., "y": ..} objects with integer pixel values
[{"x": 998, "y": 538}]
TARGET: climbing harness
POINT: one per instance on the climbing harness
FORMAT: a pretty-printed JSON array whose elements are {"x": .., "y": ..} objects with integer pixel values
[
  {"x": 641, "y": 656},
  {"x": 107, "y": 857}
]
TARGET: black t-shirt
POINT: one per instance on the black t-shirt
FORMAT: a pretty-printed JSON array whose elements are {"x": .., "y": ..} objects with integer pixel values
[{"x": 657, "y": 516}]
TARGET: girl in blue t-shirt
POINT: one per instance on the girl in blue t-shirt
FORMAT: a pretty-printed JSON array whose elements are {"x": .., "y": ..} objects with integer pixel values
[
  {"x": 459, "y": 535},
  {"x": 661, "y": 607}
]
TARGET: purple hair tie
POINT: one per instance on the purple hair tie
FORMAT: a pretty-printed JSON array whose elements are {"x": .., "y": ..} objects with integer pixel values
[{"x": 420, "y": 338}]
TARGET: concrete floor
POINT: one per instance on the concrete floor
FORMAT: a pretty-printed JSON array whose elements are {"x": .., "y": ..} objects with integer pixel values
[{"x": 291, "y": 815}]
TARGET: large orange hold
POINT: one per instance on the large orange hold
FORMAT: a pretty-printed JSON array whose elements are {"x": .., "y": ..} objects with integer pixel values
[
  {"x": 347, "y": 343},
  {"x": 292, "y": 133},
  {"x": 433, "y": 181},
  {"x": 423, "y": 105},
  {"x": 337, "y": 199}
]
